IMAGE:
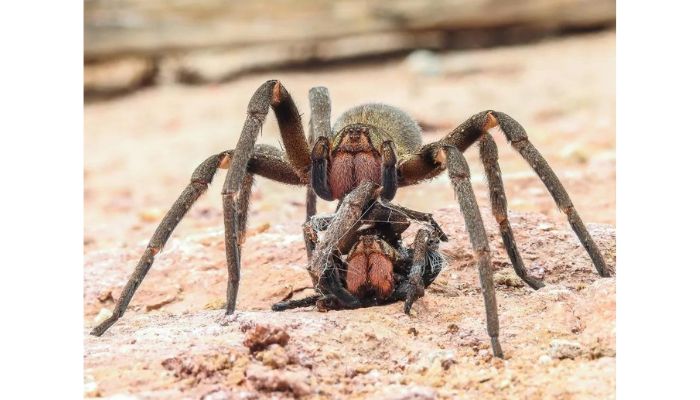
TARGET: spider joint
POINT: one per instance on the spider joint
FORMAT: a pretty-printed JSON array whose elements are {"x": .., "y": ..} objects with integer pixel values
[
  {"x": 154, "y": 249},
  {"x": 568, "y": 209},
  {"x": 277, "y": 94},
  {"x": 482, "y": 252},
  {"x": 501, "y": 218},
  {"x": 203, "y": 184},
  {"x": 519, "y": 144},
  {"x": 440, "y": 157},
  {"x": 225, "y": 161},
  {"x": 491, "y": 121}
]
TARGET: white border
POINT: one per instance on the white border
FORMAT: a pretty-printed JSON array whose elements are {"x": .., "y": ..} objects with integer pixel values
[
  {"x": 42, "y": 225},
  {"x": 658, "y": 159},
  {"x": 41, "y": 295}
]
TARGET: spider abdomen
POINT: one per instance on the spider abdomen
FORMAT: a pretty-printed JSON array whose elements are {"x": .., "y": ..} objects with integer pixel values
[{"x": 370, "y": 268}]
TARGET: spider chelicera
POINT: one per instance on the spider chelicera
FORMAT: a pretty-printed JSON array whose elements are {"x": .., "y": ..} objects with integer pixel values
[{"x": 370, "y": 151}]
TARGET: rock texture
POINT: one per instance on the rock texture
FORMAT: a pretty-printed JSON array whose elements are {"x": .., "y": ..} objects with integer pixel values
[
  {"x": 133, "y": 27},
  {"x": 442, "y": 350},
  {"x": 214, "y": 41}
]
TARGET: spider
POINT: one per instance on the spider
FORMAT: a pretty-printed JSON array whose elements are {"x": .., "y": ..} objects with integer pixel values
[
  {"x": 361, "y": 260},
  {"x": 371, "y": 150}
]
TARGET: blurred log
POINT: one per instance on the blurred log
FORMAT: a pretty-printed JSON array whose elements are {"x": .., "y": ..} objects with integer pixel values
[
  {"x": 215, "y": 40},
  {"x": 128, "y": 27},
  {"x": 118, "y": 77}
]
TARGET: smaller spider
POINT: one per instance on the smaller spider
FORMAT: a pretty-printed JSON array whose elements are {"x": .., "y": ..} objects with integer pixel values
[{"x": 368, "y": 264}]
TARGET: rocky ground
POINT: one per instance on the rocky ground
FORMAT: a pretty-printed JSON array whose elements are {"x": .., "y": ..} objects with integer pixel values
[{"x": 173, "y": 342}]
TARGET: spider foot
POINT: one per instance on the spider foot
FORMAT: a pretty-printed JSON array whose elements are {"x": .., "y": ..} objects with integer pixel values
[
  {"x": 106, "y": 324},
  {"x": 227, "y": 319},
  {"x": 414, "y": 291}
]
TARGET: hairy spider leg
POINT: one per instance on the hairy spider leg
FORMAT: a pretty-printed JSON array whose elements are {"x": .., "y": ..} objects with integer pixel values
[
  {"x": 246, "y": 160},
  {"x": 488, "y": 152}
]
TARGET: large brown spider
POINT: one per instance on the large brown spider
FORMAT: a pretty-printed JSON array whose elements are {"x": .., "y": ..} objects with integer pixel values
[{"x": 370, "y": 151}]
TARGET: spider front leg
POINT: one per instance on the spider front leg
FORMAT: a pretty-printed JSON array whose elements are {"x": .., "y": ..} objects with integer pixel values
[
  {"x": 319, "y": 125},
  {"x": 426, "y": 164},
  {"x": 319, "y": 134},
  {"x": 266, "y": 161},
  {"x": 433, "y": 159},
  {"x": 270, "y": 95}
]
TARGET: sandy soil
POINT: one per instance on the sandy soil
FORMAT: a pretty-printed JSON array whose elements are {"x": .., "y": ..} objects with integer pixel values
[{"x": 140, "y": 150}]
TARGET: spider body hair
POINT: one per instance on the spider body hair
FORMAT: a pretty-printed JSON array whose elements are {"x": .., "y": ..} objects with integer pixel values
[
  {"x": 363, "y": 140},
  {"x": 370, "y": 267},
  {"x": 385, "y": 122}
]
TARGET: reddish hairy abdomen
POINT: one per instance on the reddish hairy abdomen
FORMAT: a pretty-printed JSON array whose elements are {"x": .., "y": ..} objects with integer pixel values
[
  {"x": 348, "y": 170},
  {"x": 370, "y": 271},
  {"x": 357, "y": 274},
  {"x": 381, "y": 275}
]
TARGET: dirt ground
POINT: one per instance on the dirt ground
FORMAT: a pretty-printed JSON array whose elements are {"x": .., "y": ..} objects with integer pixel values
[{"x": 173, "y": 341}]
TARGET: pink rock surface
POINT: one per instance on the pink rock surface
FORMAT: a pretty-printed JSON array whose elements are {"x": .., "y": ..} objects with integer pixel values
[{"x": 182, "y": 349}]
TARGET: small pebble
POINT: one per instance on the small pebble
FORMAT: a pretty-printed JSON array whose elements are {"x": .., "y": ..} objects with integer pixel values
[
  {"x": 275, "y": 356},
  {"x": 545, "y": 226},
  {"x": 561, "y": 349},
  {"x": 102, "y": 316},
  {"x": 485, "y": 355},
  {"x": 151, "y": 215}
]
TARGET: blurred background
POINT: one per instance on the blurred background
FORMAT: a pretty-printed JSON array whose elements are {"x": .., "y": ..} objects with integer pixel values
[{"x": 167, "y": 84}]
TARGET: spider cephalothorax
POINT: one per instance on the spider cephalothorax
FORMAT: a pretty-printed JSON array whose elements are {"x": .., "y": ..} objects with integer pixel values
[
  {"x": 371, "y": 151},
  {"x": 364, "y": 144}
]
